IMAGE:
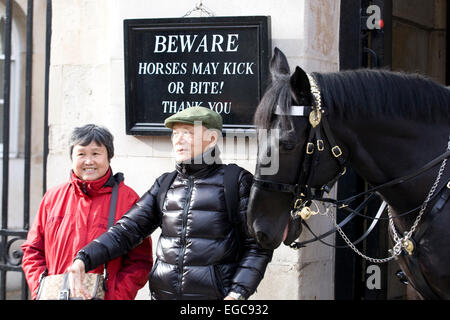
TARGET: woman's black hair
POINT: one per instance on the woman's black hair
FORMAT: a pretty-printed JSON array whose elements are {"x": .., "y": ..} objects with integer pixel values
[{"x": 84, "y": 135}]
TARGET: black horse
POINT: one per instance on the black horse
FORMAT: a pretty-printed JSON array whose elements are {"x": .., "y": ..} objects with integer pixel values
[{"x": 391, "y": 128}]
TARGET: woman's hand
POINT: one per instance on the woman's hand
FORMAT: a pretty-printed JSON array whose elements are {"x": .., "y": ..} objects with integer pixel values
[{"x": 76, "y": 276}]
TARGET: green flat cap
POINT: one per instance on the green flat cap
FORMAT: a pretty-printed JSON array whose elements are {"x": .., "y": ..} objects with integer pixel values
[{"x": 209, "y": 118}]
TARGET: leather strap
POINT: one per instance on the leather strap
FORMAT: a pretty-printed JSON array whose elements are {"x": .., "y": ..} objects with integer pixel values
[
  {"x": 111, "y": 218},
  {"x": 112, "y": 205},
  {"x": 297, "y": 245},
  {"x": 231, "y": 189},
  {"x": 166, "y": 182},
  {"x": 279, "y": 187}
]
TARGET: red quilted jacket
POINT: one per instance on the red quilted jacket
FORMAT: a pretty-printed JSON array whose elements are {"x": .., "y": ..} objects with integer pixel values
[{"x": 70, "y": 216}]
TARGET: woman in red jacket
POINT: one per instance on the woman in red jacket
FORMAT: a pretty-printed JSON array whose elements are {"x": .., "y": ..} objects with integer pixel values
[{"x": 76, "y": 212}]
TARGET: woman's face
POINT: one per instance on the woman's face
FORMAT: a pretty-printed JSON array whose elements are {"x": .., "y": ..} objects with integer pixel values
[{"x": 90, "y": 162}]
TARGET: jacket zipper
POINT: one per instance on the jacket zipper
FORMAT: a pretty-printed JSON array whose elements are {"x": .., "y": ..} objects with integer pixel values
[{"x": 183, "y": 235}]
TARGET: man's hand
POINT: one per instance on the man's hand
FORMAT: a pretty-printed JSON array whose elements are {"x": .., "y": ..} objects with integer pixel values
[{"x": 76, "y": 276}]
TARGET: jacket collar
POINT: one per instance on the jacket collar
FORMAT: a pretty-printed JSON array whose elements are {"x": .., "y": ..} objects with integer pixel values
[
  {"x": 93, "y": 187},
  {"x": 197, "y": 166}
]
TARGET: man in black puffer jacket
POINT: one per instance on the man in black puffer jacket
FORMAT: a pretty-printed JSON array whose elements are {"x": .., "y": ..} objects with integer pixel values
[{"x": 201, "y": 254}]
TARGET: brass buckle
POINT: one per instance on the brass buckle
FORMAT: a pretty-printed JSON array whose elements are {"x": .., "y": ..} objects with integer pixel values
[
  {"x": 408, "y": 245},
  {"x": 310, "y": 148},
  {"x": 448, "y": 185},
  {"x": 320, "y": 145},
  {"x": 298, "y": 203},
  {"x": 337, "y": 152}
]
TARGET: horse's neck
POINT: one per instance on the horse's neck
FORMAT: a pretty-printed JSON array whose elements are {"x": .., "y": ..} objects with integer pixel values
[{"x": 381, "y": 151}]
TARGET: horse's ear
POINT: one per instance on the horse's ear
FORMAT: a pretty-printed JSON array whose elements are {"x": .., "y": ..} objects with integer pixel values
[
  {"x": 300, "y": 82},
  {"x": 279, "y": 64}
]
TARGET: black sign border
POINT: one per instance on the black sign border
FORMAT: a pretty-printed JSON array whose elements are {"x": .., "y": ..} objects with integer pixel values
[{"x": 262, "y": 23}]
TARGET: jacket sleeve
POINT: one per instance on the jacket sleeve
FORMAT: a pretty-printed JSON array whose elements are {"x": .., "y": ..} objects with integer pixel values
[
  {"x": 33, "y": 259},
  {"x": 254, "y": 259},
  {"x": 129, "y": 231},
  {"x": 136, "y": 266}
]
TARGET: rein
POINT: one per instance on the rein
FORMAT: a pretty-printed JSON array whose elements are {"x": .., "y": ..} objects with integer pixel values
[{"x": 304, "y": 194}]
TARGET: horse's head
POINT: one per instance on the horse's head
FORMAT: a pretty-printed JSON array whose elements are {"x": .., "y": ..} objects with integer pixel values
[{"x": 284, "y": 130}]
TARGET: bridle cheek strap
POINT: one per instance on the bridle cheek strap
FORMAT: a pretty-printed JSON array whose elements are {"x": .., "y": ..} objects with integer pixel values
[{"x": 314, "y": 145}]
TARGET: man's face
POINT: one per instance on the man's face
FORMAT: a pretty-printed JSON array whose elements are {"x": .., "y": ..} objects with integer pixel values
[{"x": 190, "y": 141}]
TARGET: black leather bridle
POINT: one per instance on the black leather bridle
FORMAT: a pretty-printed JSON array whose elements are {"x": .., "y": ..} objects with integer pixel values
[{"x": 302, "y": 191}]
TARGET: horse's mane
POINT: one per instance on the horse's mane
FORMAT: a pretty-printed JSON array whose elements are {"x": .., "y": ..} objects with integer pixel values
[
  {"x": 370, "y": 93},
  {"x": 384, "y": 93}
]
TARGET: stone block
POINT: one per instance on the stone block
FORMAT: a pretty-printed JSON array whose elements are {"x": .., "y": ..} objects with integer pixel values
[
  {"x": 234, "y": 147},
  {"x": 55, "y": 94},
  {"x": 132, "y": 146},
  {"x": 141, "y": 172},
  {"x": 162, "y": 147},
  {"x": 59, "y": 166},
  {"x": 80, "y": 36},
  {"x": 84, "y": 88},
  {"x": 316, "y": 280},
  {"x": 117, "y": 83},
  {"x": 252, "y": 148},
  {"x": 280, "y": 282},
  {"x": 323, "y": 36}
]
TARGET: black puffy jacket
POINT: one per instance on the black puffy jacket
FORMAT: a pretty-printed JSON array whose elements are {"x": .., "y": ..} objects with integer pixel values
[{"x": 201, "y": 254}]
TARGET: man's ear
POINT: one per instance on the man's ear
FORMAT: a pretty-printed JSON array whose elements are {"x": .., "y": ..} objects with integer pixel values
[{"x": 211, "y": 136}]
